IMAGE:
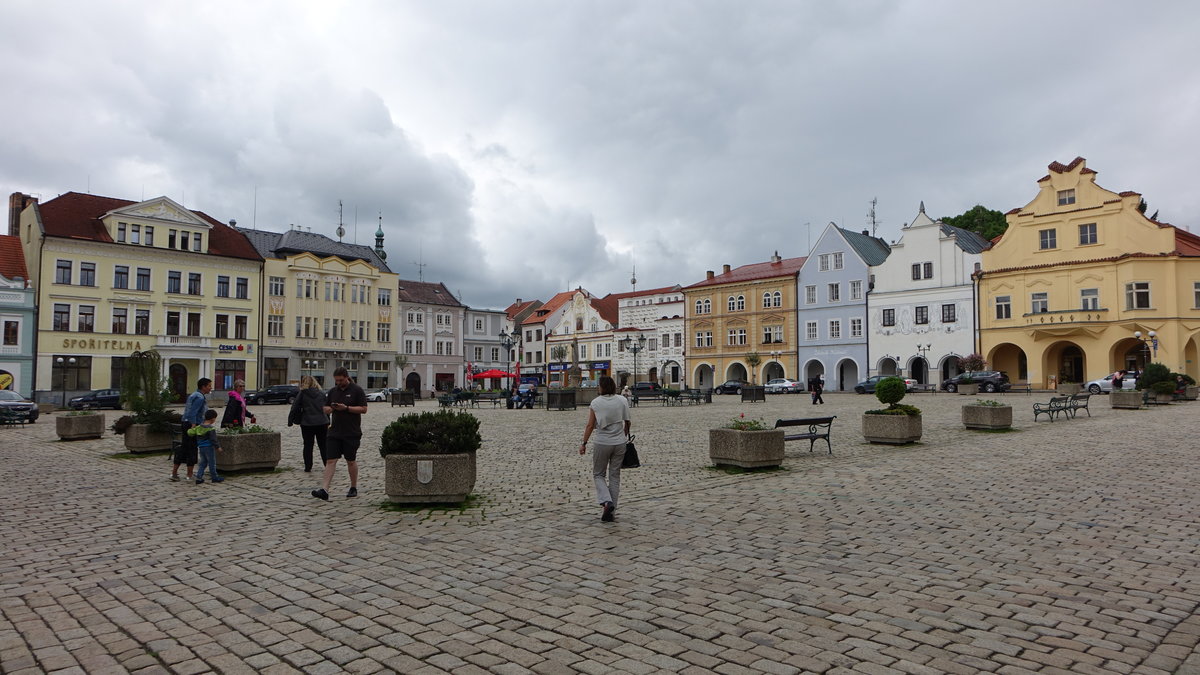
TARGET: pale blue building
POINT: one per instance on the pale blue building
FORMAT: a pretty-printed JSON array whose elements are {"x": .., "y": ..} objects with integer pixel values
[{"x": 17, "y": 319}]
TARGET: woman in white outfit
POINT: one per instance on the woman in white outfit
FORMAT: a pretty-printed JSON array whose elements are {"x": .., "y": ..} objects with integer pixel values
[{"x": 608, "y": 417}]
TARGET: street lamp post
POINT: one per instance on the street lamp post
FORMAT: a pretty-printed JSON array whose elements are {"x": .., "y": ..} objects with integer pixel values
[
  {"x": 508, "y": 340},
  {"x": 1150, "y": 342},
  {"x": 923, "y": 350},
  {"x": 635, "y": 347},
  {"x": 63, "y": 376}
]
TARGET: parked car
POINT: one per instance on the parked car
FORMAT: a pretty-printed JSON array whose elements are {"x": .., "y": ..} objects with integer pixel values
[
  {"x": 13, "y": 403},
  {"x": 988, "y": 380},
  {"x": 867, "y": 386},
  {"x": 730, "y": 387},
  {"x": 646, "y": 388},
  {"x": 1104, "y": 384},
  {"x": 379, "y": 394},
  {"x": 279, "y": 393},
  {"x": 589, "y": 384},
  {"x": 782, "y": 385},
  {"x": 100, "y": 398}
]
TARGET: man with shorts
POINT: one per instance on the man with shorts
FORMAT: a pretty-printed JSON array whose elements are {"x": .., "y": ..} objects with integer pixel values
[
  {"x": 193, "y": 415},
  {"x": 346, "y": 405}
]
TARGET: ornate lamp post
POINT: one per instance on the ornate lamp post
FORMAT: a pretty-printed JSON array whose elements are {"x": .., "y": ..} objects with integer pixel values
[
  {"x": 923, "y": 350},
  {"x": 1149, "y": 343},
  {"x": 630, "y": 345},
  {"x": 63, "y": 377},
  {"x": 508, "y": 340}
]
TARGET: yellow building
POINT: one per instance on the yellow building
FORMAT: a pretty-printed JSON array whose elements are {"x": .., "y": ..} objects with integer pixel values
[
  {"x": 115, "y": 276},
  {"x": 1079, "y": 271},
  {"x": 750, "y": 309},
  {"x": 326, "y": 304}
]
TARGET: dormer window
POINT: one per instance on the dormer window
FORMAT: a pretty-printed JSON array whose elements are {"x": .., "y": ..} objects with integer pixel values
[
  {"x": 121, "y": 233},
  {"x": 1066, "y": 197}
]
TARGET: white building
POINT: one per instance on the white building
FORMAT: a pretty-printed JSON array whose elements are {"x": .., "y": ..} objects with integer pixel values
[
  {"x": 583, "y": 336},
  {"x": 482, "y": 346},
  {"x": 921, "y": 309},
  {"x": 657, "y": 315},
  {"x": 431, "y": 322}
]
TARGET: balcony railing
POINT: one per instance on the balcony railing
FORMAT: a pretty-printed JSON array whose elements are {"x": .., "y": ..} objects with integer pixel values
[{"x": 183, "y": 341}]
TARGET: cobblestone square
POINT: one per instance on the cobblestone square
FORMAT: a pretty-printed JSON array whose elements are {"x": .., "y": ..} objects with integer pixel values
[{"x": 1059, "y": 547}]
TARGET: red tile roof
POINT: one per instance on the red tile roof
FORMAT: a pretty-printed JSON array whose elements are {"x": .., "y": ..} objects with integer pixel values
[
  {"x": 1186, "y": 243},
  {"x": 539, "y": 315},
  {"x": 516, "y": 308},
  {"x": 77, "y": 216},
  {"x": 755, "y": 271},
  {"x": 12, "y": 258},
  {"x": 426, "y": 293},
  {"x": 638, "y": 294},
  {"x": 607, "y": 308}
]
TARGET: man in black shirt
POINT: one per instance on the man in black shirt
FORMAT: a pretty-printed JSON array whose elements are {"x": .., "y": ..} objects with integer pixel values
[{"x": 346, "y": 405}]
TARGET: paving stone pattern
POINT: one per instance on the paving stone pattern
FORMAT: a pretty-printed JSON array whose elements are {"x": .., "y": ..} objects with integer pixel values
[{"x": 1061, "y": 547}]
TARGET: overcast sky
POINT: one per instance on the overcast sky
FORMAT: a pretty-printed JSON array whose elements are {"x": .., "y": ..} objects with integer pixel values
[{"x": 521, "y": 148}]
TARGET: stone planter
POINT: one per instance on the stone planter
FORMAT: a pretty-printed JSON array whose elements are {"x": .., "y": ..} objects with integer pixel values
[
  {"x": 76, "y": 427},
  {"x": 1191, "y": 393},
  {"x": 1128, "y": 400},
  {"x": 752, "y": 393},
  {"x": 747, "y": 449},
  {"x": 240, "y": 452},
  {"x": 987, "y": 416},
  {"x": 891, "y": 429},
  {"x": 1068, "y": 388},
  {"x": 418, "y": 479},
  {"x": 1164, "y": 399},
  {"x": 968, "y": 389},
  {"x": 139, "y": 438},
  {"x": 584, "y": 396},
  {"x": 403, "y": 398},
  {"x": 560, "y": 399}
]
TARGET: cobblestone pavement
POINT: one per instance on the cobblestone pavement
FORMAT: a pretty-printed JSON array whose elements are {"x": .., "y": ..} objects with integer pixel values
[{"x": 1063, "y": 547}]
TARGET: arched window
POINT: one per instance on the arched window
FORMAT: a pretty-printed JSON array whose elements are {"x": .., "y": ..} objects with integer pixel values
[
  {"x": 778, "y": 299},
  {"x": 594, "y": 326},
  {"x": 741, "y": 303},
  {"x": 732, "y": 303},
  {"x": 699, "y": 307},
  {"x": 766, "y": 299},
  {"x": 707, "y": 306}
]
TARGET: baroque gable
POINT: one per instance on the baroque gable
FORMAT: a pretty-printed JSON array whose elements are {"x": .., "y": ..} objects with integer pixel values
[{"x": 162, "y": 209}]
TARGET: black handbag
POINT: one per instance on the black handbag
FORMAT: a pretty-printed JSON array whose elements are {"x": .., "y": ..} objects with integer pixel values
[{"x": 631, "y": 460}]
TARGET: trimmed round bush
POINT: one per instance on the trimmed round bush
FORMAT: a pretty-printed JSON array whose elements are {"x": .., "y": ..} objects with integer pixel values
[{"x": 890, "y": 390}]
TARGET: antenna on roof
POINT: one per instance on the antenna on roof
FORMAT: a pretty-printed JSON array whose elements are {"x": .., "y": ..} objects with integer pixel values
[
  {"x": 633, "y": 279},
  {"x": 356, "y": 223},
  {"x": 871, "y": 216},
  {"x": 420, "y": 261},
  {"x": 254, "y": 218},
  {"x": 341, "y": 231}
]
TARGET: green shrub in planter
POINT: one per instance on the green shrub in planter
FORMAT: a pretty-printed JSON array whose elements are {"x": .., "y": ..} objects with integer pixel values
[
  {"x": 891, "y": 390},
  {"x": 1163, "y": 388},
  {"x": 443, "y": 432},
  {"x": 1155, "y": 372}
]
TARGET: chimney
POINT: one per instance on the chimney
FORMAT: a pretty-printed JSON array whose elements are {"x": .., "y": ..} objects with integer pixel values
[
  {"x": 708, "y": 274},
  {"x": 17, "y": 202},
  {"x": 233, "y": 223},
  {"x": 775, "y": 258},
  {"x": 724, "y": 269},
  {"x": 518, "y": 301},
  {"x": 867, "y": 232}
]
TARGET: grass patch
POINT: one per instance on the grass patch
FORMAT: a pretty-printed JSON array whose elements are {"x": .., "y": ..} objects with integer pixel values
[
  {"x": 472, "y": 501},
  {"x": 738, "y": 470},
  {"x": 1009, "y": 430},
  {"x": 138, "y": 455}
]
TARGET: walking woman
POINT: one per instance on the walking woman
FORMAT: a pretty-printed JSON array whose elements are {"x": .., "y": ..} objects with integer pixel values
[
  {"x": 236, "y": 413},
  {"x": 309, "y": 412},
  {"x": 608, "y": 418}
]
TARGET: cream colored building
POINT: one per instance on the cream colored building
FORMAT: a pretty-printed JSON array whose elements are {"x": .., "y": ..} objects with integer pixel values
[{"x": 115, "y": 276}]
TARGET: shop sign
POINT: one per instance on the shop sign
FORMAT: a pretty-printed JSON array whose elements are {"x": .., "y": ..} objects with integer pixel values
[
  {"x": 600, "y": 365},
  {"x": 249, "y": 349},
  {"x": 100, "y": 343},
  {"x": 556, "y": 367}
]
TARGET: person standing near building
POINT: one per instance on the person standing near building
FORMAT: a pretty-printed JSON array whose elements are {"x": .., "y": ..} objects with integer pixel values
[
  {"x": 236, "y": 413},
  {"x": 309, "y": 412},
  {"x": 608, "y": 417},
  {"x": 193, "y": 414},
  {"x": 817, "y": 385},
  {"x": 346, "y": 405}
]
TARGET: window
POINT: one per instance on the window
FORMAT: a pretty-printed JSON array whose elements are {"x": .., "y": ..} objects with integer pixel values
[
  {"x": 679, "y": 339},
  {"x": 196, "y": 242},
  {"x": 856, "y": 328},
  {"x": 62, "y": 317},
  {"x": 741, "y": 302},
  {"x": 87, "y": 274},
  {"x": 835, "y": 329},
  {"x": 143, "y": 278},
  {"x": 116, "y": 371},
  {"x": 121, "y": 276},
  {"x": 274, "y": 326},
  {"x": 737, "y": 336},
  {"x": 837, "y": 261},
  {"x": 478, "y": 353},
  {"x": 173, "y": 323},
  {"x": 385, "y": 297},
  {"x": 495, "y": 353},
  {"x": 1089, "y": 298},
  {"x": 699, "y": 307},
  {"x": 299, "y": 325},
  {"x": 74, "y": 376},
  {"x": 275, "y": 286},
  {"x": 766, "y": 300},
  {"x": 1003, "y": 307},
  {"x": 949, "y": 314},
  {"x": 171, "y": 234},
  {"x": 193, "y": 324},
  {"x": 184, "y": 240},
  {"x": 1087, "y": 234},
  {"x": 383, "y": 332},
  {"x": 149, "y": 235},
  {"x": 243, "y": 288},
  {"x": 141, "y": 322},
  {"x": 1137, "y": 295},
  {"x": 227, "y": 372},
  {"x": 537, "y": 356},
  {"x": 12, "y": 333},
  {"x": 479, "y": 325},
  {"x": 810, "y": 330},
  {"x": 62, "y": 272},
  {"x": 121, "y": 233},
  {"x": 732, "y": 303},
  {"x": 889, "y": 317},
  {"x": 768, "y": 336},
  {"x": 135, "y": 234},
  {"x": 1196, "y": 293},
  {"x": 583, "y": 350},
  {"x": 856, "y": 290},
  {"x": 1039, "y": 303},
  {"x": 174, "y": 282},
  {"x": 1066, "y": 197},
  {"x": 916, "y": 271},
  {"x": 835, "y": 292},
  {"x": 1047, "y": 239},
  {"x": 193, "y": 283},
  {"x": 927, "y": 270},
  {"x": 707, "y": 306},
  {"x": 240, "y": 328},
  {"x": 223, "y": 326},
  {"x": 120, "y": 320},
  {"x": 777, "y": 299},
  {"x": 823, "y": 261},
  {"x": 222, "y": 287},
  {"x": 699, "y": 338},
  {"x": 810, "y": 295},
  {"x": 921, "y": 314},
  {"x": 538, "y": 333}
]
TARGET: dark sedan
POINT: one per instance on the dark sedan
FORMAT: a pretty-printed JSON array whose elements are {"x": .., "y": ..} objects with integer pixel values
[
  {"x": 100, "y": 398},
  {"x": 279, "y": 393},
  {"x": 18, "y": 407},
  {"x": 730, "y": 387},
  {"x": 988, "y": 380}
]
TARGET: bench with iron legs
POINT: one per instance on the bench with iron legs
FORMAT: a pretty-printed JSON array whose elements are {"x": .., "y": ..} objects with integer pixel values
[
  {"x": 1024, "y": 387},
  {"x": 1077, "y": 402},
  {"x": 819, "y": 428},
  {"x": 1055, "y": 407}
]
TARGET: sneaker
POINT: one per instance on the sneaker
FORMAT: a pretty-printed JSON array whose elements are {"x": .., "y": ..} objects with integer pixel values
[
  {"x": 352, "y": 492},
  {"x": 219, "y": 479},
  {"x": 607, "y": 516},
  {"x": 320, "y": 493},
  {"x": 199, "y": 481},
  {"x": 174, "y": 479}
]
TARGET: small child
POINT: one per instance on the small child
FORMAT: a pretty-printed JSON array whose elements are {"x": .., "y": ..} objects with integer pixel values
[{"x": 206, "y": 444}]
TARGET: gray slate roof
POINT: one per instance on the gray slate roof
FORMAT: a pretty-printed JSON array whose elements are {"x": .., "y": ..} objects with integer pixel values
[
  {"x": 969, "y": 241},
  {"x": 279, "y": 244},
  {"x": 872, "y": 250}
]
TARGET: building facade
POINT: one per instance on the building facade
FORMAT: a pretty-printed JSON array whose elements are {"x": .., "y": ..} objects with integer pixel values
[
  {"x": 327, "y": 304},
  {"x": 115, "y": 276},
  {"x": 832, "y": 290},
  {"x": 17, "y": 319},
  {"x": 535, "y": 328},
  {"x": 921, "y": 306},
  {"x": 482, "y": 345},
  {"x": 1078, "y": 273},
  {"x": 431, "y": 322},
  {"x": 582, "y": 338},
  {"x": 742, "y": 311},
  {"x": 652, "y": 318}
]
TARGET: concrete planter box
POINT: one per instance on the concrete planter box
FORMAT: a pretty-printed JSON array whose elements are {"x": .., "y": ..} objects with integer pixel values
[
  {"x": 747, "y": 449},
  {"x": 76, "y": 427},
  {"x": 1127, "y": 400},
  {"x": 1191, "y": 393},
  {"x": 585, "y": 395},
  {"x": 891, "y": 429},
  {"x": 968, "y": 389},
  {"x": 560, "y": 399},
  {"x": 419, "y": 479},
  {"x": 987, "y": 416},
  {"x": 753, "y": 393},
  {"x": 240, "y": 452},
  {"x": 139, "y": 438},
  {"x": 403, "y": 398},
  {"x": 1068, "y": 388}
]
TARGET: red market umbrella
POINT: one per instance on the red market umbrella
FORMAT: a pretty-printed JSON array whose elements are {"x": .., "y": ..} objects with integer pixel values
[{"x": 490, "y": 373}]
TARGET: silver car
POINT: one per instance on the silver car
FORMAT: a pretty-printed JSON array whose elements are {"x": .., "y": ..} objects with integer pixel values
[{"x": 1105, "y": 385}]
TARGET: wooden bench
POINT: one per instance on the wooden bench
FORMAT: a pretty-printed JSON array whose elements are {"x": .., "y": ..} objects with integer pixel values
[
  {"x": 1021, "y": 387},
  {"x": 814, "y": 433},
  {"x": 1077, "y": 402},
  {"x": 446, "y": 401},
  {"x": 928, "y": 388},
  {"x": 494, "y": 399},
  {"x": 637, "y": 398},
  {"x": 1055, "y": 407}
]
